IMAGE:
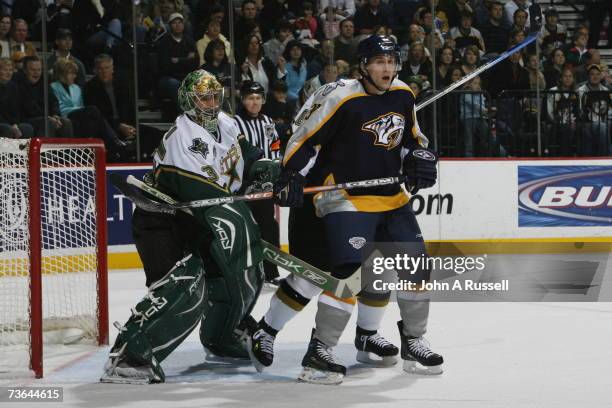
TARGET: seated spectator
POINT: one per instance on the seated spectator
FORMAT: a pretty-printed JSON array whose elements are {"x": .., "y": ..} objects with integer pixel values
[
  {"x": 255, "y": 67},
  {"x": 536, "y": 78},
  {"x": 161, "y": 11},
  {"x": 281, "y": 110},
  {"x": 454, "y": 9},
  {"x": 387, "y": 32},
  {"x": 354, "y": 72},
  {"x": 519, "y": 21},
  {"x": 440, "y": 20},
  {"x": 424, "y": 18},
  {"x": 343, "y": 68},
  {"x": 562, "y": 111},
  {"x": 445, "y": 61},
  {"x": 111, "y": 98},
  {"x": 5, "y": 29},
  {"x": 371, "y": 14},
  {"x": 455, "y": 73},
  {"x": 553, "y": 67},
  {"x": 32, "y": 101},
  {"x": 553, "y": 35},
  {"x": 295, "y": 69},
  {"x": 177, "y": 57},
  {"x": 213, "y": 32},
  {"x": 466, "y": 35},
  {"x": 87, "y": 120},
  {"x": 330, "y": 23},
  {"x": 345, "y": 8},
  {"x": 323, "y": 57},
  {"x": 96, "y": 27},
  {"x": 470, "y": 60},
  {"x": 217, "y": 62},
  {"x": 517, "y": 36},
  {"x": 274, "y": 47},
  {"x": 272, "y": 13},
  {"x": 11, "y": 124},
  {"x": 246, "y": 22},
  {"x": 63, "y": 46},
  {"x": 591, "y": 57},
  {"x": 512, "y": 6},
  {"x": 417, "y": 64},
  {"x": 508, "y": 75},
  {"x": 576, "y": 53},
  {"x": 495, "y": 30},
  {"x": 328, "y": 74},
  {"x": 473, "y": 114},
  {"x": 20, "y": 48},
  {"x": 596, "y": 105},
  {"x": 306, "y": 24},
  {"x": 345, "y": 45}
]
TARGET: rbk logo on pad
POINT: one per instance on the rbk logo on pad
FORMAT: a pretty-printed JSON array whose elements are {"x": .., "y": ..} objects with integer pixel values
[
  {"x": 424, "y": 154},
  {"x": 387, "y": 129}
]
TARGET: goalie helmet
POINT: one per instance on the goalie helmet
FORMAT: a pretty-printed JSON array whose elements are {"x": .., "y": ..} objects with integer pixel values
[{"x": 200, "y": 97}]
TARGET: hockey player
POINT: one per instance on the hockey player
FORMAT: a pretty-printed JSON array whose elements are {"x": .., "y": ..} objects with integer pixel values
[
  {"x": 203, "y": 267},
  {"x": 354, "y": 130}
]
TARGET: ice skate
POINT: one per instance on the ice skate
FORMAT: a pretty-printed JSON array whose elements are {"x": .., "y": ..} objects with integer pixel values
[
  {"x": 320, "y": 365},
  {"x": 374, "y": 349},
  {"x": 418, "y": 357}
]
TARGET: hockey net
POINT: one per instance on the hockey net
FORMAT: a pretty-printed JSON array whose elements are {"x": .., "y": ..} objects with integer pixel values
[{"x": 53, "y": 287}]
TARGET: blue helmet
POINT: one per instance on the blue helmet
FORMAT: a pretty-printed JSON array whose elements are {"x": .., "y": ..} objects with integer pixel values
[{"x": 377, "y": 45}]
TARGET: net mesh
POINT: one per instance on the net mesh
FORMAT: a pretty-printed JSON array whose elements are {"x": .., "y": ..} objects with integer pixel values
[{"x": 69, "y": 253}]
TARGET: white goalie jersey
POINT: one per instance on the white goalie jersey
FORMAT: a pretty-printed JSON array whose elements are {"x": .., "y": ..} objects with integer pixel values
[{"x": 192, "y": 156}]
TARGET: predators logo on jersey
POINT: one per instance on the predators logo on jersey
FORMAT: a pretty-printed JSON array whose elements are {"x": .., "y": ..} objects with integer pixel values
[{"x": 387, "y": 129}]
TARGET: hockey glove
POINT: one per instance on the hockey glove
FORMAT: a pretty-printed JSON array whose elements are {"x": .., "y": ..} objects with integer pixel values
[
  {"x": 289, "y": 189},
  {"x": 420, "y": 169}
]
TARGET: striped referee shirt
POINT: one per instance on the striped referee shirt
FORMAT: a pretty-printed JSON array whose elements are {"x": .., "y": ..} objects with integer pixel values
[{"x": 261, "y": 132}]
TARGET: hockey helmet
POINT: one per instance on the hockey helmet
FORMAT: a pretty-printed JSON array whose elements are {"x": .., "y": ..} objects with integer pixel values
[
  {"x": 200, "y": 97},
  {"x": 251, "y": 87},
  {"x": 378, "y": 45}
]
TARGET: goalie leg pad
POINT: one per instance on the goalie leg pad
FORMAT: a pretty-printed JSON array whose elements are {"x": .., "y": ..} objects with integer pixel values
[
  {"x": 159, "y": 323},
  {"x": 233, "y": 290}
]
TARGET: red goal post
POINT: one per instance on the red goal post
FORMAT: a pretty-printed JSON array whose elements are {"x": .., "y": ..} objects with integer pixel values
[{"x": 53, "y": 246}]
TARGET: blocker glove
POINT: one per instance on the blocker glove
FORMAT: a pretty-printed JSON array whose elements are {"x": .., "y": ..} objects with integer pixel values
[
  {"x": 420, "y": 169},
  {"x": 289, "y": 189}
]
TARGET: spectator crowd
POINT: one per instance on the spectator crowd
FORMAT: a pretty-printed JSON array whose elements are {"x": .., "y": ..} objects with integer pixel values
[{"x": 292, "y": 47}]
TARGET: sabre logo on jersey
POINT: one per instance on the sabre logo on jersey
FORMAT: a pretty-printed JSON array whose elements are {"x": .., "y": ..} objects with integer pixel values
[
  {"x": 387, "y": 129},
  {"x": 555, "y": 196}
]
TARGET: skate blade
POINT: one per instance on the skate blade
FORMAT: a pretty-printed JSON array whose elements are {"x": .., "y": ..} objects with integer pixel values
[
  {"x": 115, "y": 379},
  {"x": 258, "y": 366},
  {"x": 372, "y": 359},
  {"x": 412, "y": 367},
  {"x": 314, "y": 376},
  {"x": 213, "y": 358}
]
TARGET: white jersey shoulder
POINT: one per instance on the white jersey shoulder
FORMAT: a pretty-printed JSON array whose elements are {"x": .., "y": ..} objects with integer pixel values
[{"x": 189, "y": 147}]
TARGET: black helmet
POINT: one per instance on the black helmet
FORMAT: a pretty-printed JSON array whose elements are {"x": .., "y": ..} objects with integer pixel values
[
  {"x": 377, "y": 45},
  {"x": 251, "y": 87}
]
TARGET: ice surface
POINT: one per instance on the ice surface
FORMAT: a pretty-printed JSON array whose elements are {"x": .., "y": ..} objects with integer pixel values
[{"x": 496, "y": 355}]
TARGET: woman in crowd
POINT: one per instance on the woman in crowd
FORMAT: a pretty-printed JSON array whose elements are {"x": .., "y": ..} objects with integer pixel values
[
  {"x": 294, "y": 68},
  {"x": 217, "y": 62},
  {"x": 562, "y": 111},
  {"x": 553, "y": 67},
  {"x": 445, "y": 62},
  {"x": 255, "y": 67},
  {"x": 470, "y": 60}
]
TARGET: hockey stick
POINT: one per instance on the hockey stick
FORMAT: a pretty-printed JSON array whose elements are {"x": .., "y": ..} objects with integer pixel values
[
  {"x": 343, "y": 288},
  {"x": 167, "y": 207},
  {"x": 531, "y": 38}
]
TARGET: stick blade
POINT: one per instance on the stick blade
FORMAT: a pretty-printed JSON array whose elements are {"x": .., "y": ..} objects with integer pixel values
[{"x": 138, "y": 198}]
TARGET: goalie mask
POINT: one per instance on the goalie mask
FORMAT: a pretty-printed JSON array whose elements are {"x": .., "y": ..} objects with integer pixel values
[{"x": 200, "y": 97}]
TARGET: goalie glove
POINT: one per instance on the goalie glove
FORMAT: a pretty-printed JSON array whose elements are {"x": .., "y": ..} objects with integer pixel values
[
  {"x": 420, "y": 169},
  {"x": 289, "y": 189}
]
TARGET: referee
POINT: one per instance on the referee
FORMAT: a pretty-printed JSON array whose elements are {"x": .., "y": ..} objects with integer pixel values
[{"x": 259, "y": 129}]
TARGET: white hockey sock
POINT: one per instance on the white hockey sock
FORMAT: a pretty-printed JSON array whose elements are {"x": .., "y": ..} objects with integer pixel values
[
  {"x": 278, "y": 314},
  {"x": 369, "y": 317}
]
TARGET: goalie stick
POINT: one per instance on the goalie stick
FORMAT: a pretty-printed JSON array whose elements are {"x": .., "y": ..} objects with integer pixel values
[
  {"x": 170, "y": 207},
  {"x": 343, "y": 288}
]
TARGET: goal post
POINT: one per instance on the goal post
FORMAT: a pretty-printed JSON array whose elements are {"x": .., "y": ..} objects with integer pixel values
[{"x": 53, "y": 248}]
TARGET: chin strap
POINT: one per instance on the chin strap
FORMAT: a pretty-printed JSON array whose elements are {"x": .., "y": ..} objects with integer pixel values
[{"x": 365, "y": 76}]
